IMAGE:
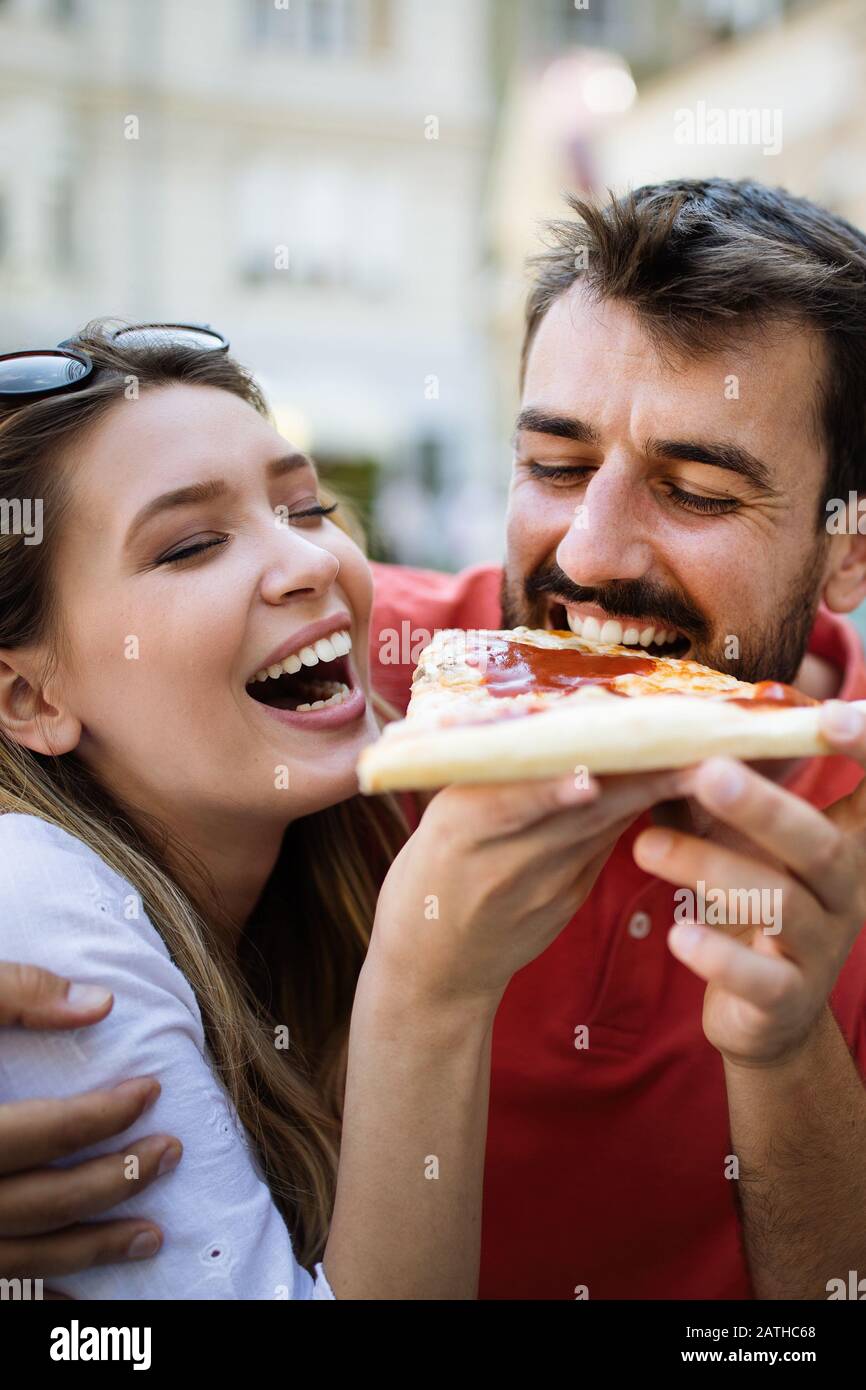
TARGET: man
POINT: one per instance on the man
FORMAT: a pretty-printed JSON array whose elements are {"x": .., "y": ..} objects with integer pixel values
[
  {"x": 690, "y": 401},
  {"x": 694, "y": 377}
]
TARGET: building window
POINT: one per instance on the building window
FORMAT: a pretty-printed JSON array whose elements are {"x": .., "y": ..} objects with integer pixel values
[
  {"x": 322, "y": 28},
  {"x": 64, "y": 11},
  {"x": 62, "y": 225},
  {"x": 738, "y": 16},
  {"x": 559, "y": 23},
  {"x": 323, "y": 227}
]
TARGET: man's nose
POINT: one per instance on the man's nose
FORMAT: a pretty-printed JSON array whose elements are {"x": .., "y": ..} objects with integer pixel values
[{"x": 608, "y": 538}]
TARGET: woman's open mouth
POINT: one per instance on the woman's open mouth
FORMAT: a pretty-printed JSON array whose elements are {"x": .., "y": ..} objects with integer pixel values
[{"x": 314, "y": 685}]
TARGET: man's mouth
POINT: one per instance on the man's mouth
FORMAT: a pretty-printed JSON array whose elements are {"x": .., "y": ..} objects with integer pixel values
[
  {"x": 317, "y": 676},
  {"x": 589, "y": 621}
]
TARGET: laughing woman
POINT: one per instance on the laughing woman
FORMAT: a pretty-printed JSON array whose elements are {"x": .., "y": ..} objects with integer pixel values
[{"x": 184, "y": 693}]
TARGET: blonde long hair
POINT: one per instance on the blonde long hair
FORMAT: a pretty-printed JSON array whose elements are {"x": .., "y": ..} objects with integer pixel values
[{"x": 299, "y": 958}]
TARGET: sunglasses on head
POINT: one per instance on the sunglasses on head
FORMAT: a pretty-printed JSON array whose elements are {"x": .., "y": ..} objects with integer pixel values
[{"x": 25, "y": 376}]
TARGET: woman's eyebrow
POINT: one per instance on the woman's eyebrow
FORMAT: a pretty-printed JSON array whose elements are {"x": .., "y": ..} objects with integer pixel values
[
  {"x": 208, "y": 491},
  {"x": 288, "y": 463},
  {"x": 178, "y": 497}
]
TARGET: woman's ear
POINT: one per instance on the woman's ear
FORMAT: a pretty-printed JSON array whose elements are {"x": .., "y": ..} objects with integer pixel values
[
  {"x": 845, "y": 585},
  {"x": 26, "y": 715}
]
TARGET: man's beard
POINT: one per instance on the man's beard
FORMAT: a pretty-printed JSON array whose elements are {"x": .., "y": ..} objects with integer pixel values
[{"x": 774, "y": 654}]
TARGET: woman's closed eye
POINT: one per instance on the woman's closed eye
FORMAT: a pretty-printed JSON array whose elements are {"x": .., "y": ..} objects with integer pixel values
[
  {"x": 194, "y": 547},
  {"x": 307, "y": 510}
]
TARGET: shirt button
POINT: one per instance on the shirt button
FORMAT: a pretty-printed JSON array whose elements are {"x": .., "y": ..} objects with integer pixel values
[{"x": 639, "y": 925}]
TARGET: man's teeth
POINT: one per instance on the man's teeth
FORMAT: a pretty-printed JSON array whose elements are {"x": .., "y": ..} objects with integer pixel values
[
  {"x": 326, "y": 649},
  {"x": 613, "y": 633},
  {"x": 340, "y": 694}
]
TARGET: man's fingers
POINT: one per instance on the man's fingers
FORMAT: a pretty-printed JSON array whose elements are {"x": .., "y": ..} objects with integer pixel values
[
  {"x": 619, "y": 803},
  {"x": 580, "y": 802},
  {"x": 797, "y": 834},
  {"x": 512, "y": 807},
  {"x": 843, "y": 724},
  {"x": 37, "y": 1132},
  {"x": 48, "y": 1199},
  {"x": 77, "y": 1248},
  {"x": 743, "y": 892},
  {"x": 623, "y": 799},
  {"x": 756, "y": 977},
  {"x": 31, "y": 997}
]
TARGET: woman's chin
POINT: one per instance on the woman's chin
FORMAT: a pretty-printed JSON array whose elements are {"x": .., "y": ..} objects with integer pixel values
[{"x": 323, "y": 771}]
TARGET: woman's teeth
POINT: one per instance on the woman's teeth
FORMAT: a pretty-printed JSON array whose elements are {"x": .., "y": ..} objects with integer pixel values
[
  {"x": 326, "y": 649},
  {"x": 339, "y": 695},
  {"x": 613, "y": 633}
]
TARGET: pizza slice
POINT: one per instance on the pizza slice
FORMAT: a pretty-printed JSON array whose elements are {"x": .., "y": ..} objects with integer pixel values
[{"x": 505, "y": 706}]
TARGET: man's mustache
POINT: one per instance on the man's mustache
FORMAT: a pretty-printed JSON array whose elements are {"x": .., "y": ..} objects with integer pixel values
[{"x": 627, "y": 598}]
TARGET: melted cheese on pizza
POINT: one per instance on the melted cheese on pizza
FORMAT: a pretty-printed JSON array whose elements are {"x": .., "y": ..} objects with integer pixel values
[{"x": 466, "y": 676}]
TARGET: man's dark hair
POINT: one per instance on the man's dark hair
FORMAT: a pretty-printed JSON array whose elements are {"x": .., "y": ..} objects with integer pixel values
[{"x": 700, "y": 259}]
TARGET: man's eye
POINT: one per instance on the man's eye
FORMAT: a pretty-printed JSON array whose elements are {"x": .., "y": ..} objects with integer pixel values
[
  {"x": 557, "y": 473},
  {"x": 695, "y": 502},
  {"x": 189, "y": 550},
  {"x": 574, "y": 474}
]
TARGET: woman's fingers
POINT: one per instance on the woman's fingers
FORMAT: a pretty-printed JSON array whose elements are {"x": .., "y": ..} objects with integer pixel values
[
  {"x": 36, "y": 1132},
  {"x": 47, "y": 1199},
  {"x": 77, "y": 1248},
  {"x": 31, "y": 997}
]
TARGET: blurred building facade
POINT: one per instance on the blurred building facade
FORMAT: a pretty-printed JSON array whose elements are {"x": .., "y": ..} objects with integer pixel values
[
  {"x": 309, "y": 176},
  {"x": 596, "y": 97},
  {"x": 349, "y": 189}
]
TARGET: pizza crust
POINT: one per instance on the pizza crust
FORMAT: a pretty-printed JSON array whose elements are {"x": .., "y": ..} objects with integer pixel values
[
  {"x": 456, "y": 732},
  {"x": 605, "y": 735}
]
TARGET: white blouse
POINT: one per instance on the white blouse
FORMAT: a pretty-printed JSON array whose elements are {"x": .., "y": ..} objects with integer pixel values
[{"x": 63, "y": 908}]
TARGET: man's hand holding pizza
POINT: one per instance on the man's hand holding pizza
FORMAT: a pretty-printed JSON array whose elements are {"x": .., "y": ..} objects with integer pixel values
[{"x": 797, "y": 1105}]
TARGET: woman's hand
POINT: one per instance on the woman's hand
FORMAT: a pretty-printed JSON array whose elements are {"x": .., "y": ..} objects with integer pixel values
[
  {"x": 42, "y": 1209},
  {"x": 492, "y": 874}
]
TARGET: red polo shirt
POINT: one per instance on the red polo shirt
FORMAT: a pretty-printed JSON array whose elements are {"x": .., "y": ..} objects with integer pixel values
[{"x": 606, "y": 1164}]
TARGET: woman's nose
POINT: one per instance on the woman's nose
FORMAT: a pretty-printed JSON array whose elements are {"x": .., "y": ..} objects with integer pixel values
[{"x": 298, "y": 565}]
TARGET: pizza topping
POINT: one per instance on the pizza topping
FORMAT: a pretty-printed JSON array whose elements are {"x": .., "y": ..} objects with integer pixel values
[
  {"x": 516, "y": 668},
  {"x": 774, "y": 693}
]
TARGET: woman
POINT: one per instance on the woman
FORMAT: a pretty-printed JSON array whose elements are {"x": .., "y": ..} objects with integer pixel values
[{"x": 184, "y": 693}]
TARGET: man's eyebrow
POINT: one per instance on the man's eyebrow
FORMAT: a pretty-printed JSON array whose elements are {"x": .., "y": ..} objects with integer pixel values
[
  {"x": 208, "y": 491},
  {"x": 561, "y": 426},
  {"x": 732, "y": 457}
]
